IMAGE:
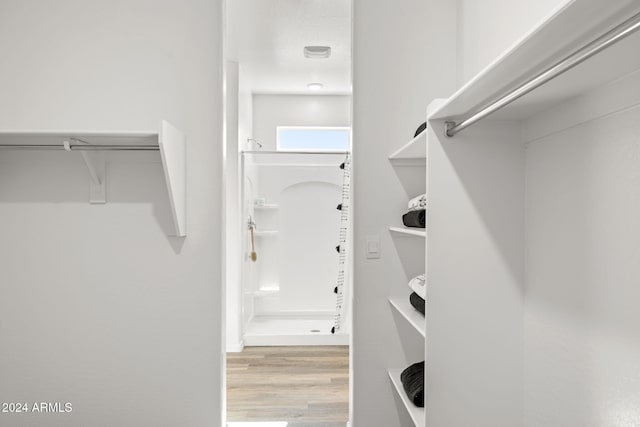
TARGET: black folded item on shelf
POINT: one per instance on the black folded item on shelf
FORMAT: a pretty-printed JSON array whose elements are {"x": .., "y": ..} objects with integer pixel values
[
  {"x": 415, "y": 219},
  {"x": 417, "y": 302},
  {"x": 413, "y": 382}
]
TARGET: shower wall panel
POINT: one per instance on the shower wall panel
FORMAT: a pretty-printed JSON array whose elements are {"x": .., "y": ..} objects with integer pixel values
[{"x": 297, "y": 261}]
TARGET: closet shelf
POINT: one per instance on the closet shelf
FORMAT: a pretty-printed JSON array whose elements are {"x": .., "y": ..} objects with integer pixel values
[
  {"x": 169, "y": 141},
  {"x": 413, "y": 153},
  {"x": 266, "y": 206},
  {"x": 417, "y": 232},
  {"x": 554, "y": 39},
  {"x": 417, "y": 414},
  {"x": 411, "y": 315},
  {"x": 265, "y": 233}
]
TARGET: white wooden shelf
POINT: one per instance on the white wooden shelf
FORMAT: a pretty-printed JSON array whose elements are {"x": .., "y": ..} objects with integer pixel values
[
  {"x": 411, "y": 315},
  {"x": 413, "y": 153},
  {"x": 266, "y": 206},
  {"x": 556, "y": 37},
  {"x": 406, "y": 231},
  {"x": 417, "y": 414},
  {"x": 168, "y": 140},
  {"x": 265, "y": 233}
]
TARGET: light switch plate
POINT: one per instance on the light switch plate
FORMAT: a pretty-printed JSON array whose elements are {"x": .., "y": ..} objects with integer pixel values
[{"x": 373, "y": 247}]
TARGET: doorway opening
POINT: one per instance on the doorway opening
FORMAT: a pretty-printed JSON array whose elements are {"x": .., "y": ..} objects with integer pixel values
[{"x": 288, "y": 266}]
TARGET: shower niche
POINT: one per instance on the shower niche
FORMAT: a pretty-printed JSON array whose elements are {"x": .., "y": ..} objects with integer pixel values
[{"x": 290, "y": 206}]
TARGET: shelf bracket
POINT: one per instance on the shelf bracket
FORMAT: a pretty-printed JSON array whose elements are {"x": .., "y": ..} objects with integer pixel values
[
  {"x": 96, "y": 165},
  {"x": 449, "y": 126},
  {"x": 173, "y": 152}
]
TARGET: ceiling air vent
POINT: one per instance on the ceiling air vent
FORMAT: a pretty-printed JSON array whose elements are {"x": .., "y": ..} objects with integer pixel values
[{"x": 317, "y": 52}]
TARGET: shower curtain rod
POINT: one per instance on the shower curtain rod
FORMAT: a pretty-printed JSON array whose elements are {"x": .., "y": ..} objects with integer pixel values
[
  {"x": 606, "y": 40},
  {"x": 82, "y": 147},
  {"x": 296, "y": 152}
]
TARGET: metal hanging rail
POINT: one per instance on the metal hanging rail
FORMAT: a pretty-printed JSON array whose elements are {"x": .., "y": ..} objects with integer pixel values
[{"x": 609, "y": 38}]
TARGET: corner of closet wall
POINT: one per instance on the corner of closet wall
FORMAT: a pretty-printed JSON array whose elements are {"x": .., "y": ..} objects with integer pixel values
[
  {"x": 582, "y": 251},
  {"x": 99, "y": 307},
  {"x": 395, "y": 77}
]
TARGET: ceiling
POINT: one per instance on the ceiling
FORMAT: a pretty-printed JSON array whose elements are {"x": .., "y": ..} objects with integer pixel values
[{"x": 267, "y": 37}]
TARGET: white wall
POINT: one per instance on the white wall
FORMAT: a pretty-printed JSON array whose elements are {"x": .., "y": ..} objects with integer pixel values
[
  {"x": 393, "y": 84},
  {"x": 245, "y": 109},
  {"x": 486, "y": 28},
  {"x": 270, "y": 111},
  {"x": 582, "y": 351},
  {"x": 98, "y": 307},
  {"x": 233, "y": 213}
]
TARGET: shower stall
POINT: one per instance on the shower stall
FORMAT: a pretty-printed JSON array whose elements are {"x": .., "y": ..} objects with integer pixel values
[{"x": 295, "y": 281}]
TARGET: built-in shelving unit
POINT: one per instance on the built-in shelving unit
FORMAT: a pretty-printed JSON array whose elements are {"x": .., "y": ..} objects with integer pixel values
[
  {"x": 411, "y": 158},
  {"x": 406, "y": 231},
  {"x": 417, "y": 414},
  {"x": 410, "y": 314},
  {"x": 500, "y": 186},
  {"x": 413, "y": 153},
  {"x": 168, "y": 141}
]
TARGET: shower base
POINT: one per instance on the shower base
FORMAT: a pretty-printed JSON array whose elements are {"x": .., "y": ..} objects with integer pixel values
[{"x": 278, "y": 330}]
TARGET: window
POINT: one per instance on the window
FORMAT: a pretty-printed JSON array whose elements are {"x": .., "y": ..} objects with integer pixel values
[{"x": 296, "y": 138}]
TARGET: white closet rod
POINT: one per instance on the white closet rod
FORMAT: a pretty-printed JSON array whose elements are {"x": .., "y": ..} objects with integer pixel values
[
  {"x": 609, "y": 38},
  {"x": 82, "y": 147}
]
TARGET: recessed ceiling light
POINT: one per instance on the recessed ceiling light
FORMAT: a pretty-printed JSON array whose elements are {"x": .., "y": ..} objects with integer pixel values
[
  {"x": 315, "y": 86},
  {"x": 317, "y": 52}
]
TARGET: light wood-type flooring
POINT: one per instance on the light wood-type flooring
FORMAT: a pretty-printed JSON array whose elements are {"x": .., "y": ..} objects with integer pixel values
[{"x": 308, "y": 386}]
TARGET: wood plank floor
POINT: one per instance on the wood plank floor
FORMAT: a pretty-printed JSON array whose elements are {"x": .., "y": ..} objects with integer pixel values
[{"x": 308, "y": 385}]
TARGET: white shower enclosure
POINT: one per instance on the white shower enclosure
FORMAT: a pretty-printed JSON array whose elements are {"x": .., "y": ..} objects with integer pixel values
[{"x": 288, "y": 297}]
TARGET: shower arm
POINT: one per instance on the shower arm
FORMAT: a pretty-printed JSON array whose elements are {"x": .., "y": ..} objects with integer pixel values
[{"x": 255, "y": 141}]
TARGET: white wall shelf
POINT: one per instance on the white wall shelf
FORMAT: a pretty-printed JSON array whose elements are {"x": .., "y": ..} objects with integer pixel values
[
  {"x": 405, "y": 231},
  {"x": 553, "y": 39},
  {"x": 417, "y": 414},
  {"x": 413, "y": 153},
  {"x": 169, "y": 141},
  {"x": 411, "y": 315}
]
